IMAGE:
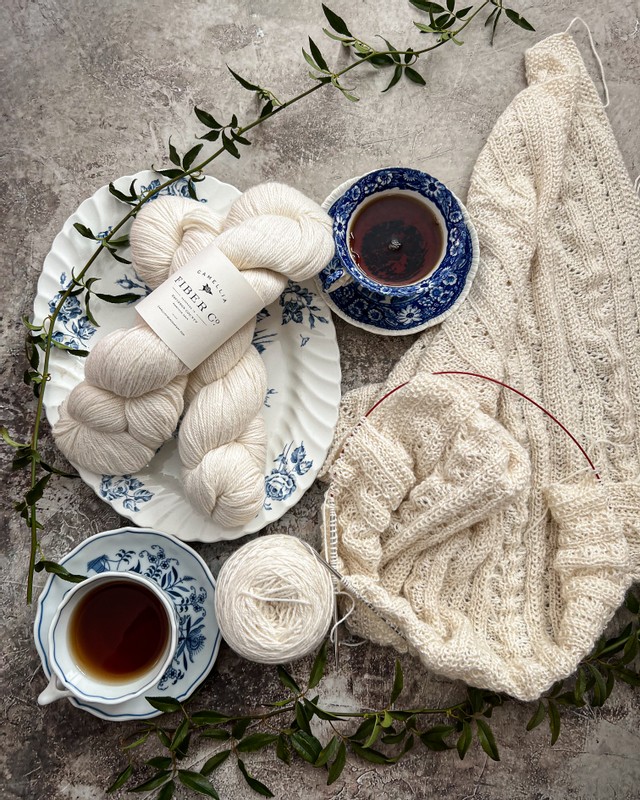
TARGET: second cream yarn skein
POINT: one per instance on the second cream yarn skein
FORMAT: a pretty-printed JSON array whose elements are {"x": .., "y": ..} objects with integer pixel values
[{"x": 272, "y": 233}]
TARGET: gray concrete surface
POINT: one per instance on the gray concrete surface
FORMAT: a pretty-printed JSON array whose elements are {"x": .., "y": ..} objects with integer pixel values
[{"x": 91, "y": 91}]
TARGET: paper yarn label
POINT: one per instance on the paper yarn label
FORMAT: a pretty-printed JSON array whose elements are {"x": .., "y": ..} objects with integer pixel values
[{"x": 200, "y": 306}]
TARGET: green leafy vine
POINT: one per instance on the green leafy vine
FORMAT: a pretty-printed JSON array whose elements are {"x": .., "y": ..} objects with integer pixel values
[
  {"x": 445, "y": 24},
  {"x": 290, "y": 725}
]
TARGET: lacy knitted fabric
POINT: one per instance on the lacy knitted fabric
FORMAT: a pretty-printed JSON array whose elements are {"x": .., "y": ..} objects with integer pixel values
[{"x": 466, "y": 517}]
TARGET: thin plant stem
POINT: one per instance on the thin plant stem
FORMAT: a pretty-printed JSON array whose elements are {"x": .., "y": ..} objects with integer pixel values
[{"x": 76, "y": 281}]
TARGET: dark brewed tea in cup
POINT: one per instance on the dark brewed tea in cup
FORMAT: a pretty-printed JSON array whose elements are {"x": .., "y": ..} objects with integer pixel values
[
  {"x": 396, "y": 240},
  {"x": 118, "y": 631}
]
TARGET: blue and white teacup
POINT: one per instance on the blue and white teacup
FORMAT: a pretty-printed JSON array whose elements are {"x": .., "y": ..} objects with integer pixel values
[
  {"x": 436, "y": 198},
  {"x": 70, "y": 678}
]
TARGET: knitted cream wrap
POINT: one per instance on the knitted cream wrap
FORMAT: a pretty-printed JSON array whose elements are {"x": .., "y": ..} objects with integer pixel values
[{"x": 465, "y": 515}]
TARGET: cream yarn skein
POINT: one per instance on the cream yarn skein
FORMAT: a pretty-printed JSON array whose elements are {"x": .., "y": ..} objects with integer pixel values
[
  {"x": 271, "y": 233},
  {"x": 132, "y": 395},
  {"x": 274, "y": 600}
]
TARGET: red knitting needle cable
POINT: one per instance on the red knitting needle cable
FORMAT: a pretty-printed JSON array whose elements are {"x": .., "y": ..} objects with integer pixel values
[{"x": 505, "y": 386}]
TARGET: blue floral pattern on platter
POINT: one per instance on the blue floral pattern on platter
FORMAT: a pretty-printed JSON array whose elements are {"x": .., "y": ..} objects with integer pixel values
[
  {"x": 301, "y": 361},
  {"x": 281, "y": 482},
  {"x": 127, "y": 489},
  {"x": 297, "y": 301},
  {"x": 400, "y": 309},
  {"x": 180, "y": 189},
  {"x": 187, "y": 581}
]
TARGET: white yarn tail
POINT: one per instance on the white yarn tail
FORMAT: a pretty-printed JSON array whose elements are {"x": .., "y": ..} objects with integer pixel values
[{"x": 595, "y": 53}]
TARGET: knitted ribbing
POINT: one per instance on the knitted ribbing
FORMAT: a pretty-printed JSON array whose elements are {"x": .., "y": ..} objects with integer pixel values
[{"x": 466, "y": 516}]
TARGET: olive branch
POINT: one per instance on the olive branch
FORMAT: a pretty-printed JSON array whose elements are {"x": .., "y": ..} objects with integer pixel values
[
  {"x": 445, "y": 24},
  {"x": 290, "y": 726}
]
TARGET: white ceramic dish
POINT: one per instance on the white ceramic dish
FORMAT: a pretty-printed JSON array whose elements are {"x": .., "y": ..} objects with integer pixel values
[
  {"x": 182, "y": 575},
  {"x": 295, "y": 336}
]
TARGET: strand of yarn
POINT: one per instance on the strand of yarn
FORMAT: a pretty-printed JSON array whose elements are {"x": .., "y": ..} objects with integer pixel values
[
  {"x": 597, "y": 57},
  {"x": 271, "y": 233},
  {"x": 274, "y": 600}
]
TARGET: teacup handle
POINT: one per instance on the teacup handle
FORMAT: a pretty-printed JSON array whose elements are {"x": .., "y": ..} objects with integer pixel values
[
  {"x": 54, "y": 691},
  {"x": 334, "y": 277}
]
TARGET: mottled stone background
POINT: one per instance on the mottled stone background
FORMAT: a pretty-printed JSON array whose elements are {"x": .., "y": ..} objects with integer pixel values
[{"x": 91, "y": 90}]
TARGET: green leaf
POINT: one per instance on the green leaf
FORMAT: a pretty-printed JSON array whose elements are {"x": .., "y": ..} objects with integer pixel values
[
  {"x": 212, "y": 136},
  {"x": 239, "y": 727},
  {"x": 464, "y": 740},
  {"x": 627, "y": 675},
  {"x": 120, "y": 781},
  {"x": 256, "y": 741},
  {"x": 554, "y": 721},
  {"x": 255, "y": 784},
  {"x": 118, "y": 298},
  {"x": 120, "y": 195},
  {"x": 397, "y": 74},
  {"x": 430, "y": 8},
  {"x": 155, "y": 782},
  {"x": 171, "y": 173},
  {"x": 57, "y": 569},
  {"x": 165, "y": 704},
  {"x": 451, "y": 4},
  {"x": 180, "y": 734},
  {"x": 287, "y": 681},
  {"x": 137, "y": 742},
  {"x": 243, "y": 82},
  {"x": 197, "y": 782},
  {"x": 631, "y": 647},
  {"x": 31, "y": 325},
  {"x": 518, "y": 19},
  {"x": 487, "y": 739},
  {"x": 365, "y": 728},
  {"x": 215, "y": 761},
  {"x": 398, "y": 683},
  {"x": 495, "y": 24},
  {"x": 476, "y": 698},
  {"x": 84, "y": 231},
  {"x": 67, "y": 348},
  {"x": 387, "y": 720},
  {"x": 328, "y": 752},
  {"x": 229, "y": 146},
  {"x": 173, "y": 155},
  {"x": 206, "y": 118},
  {"x": 310, "y": 62},
  {"x": 240, "y": 139},
  {"x": 159, "y": 762},
  {"x": 216, "y": 733},
  {"x": 600, "y": 686},
  {"x": 317, "y": 56},
  {"x": 537, "y": 717},
  {"x": 312, "y": 709},
  {"x": 301, "y": 718},
  {"x": 306, "y": 745},
  {"x": 336, "y": 22},
  {"x": 282, "y": 749},
  {"x": 375, "y": 733},
  {"x": 434, "y": 737},
  {"x": 373, "y": 756},
  {"x": 579, "y": 688},
  {"x": 208, "y": 717},
  {"x": 190, "y": 156},
  {"x": 414, "y": 76},
  {"x": 164, "y": 739},
  {"x": 631, "y": 601},
  {"x": 320, "y": 661},
  {"x": 192, "y": 190},
  {"x": 463, "y": 12},
  {"x": 166, "y": 793},
  {"x": 393, "y": 738},
  {"x": 7, "y": 438},
  {"x": 335, "y": 770}
]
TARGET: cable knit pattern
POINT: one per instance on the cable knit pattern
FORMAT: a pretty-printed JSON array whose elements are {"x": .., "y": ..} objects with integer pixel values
[{"x": 466, "y": 517}]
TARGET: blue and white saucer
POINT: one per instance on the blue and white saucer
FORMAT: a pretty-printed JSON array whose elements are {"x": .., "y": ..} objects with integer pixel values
[
  {"x": 447, "y": 288},
  {"x": 185, "y": 578}
]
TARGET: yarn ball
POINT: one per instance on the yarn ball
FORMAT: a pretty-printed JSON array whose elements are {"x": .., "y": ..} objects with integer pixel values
[{"x": 274, "y": 600}]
